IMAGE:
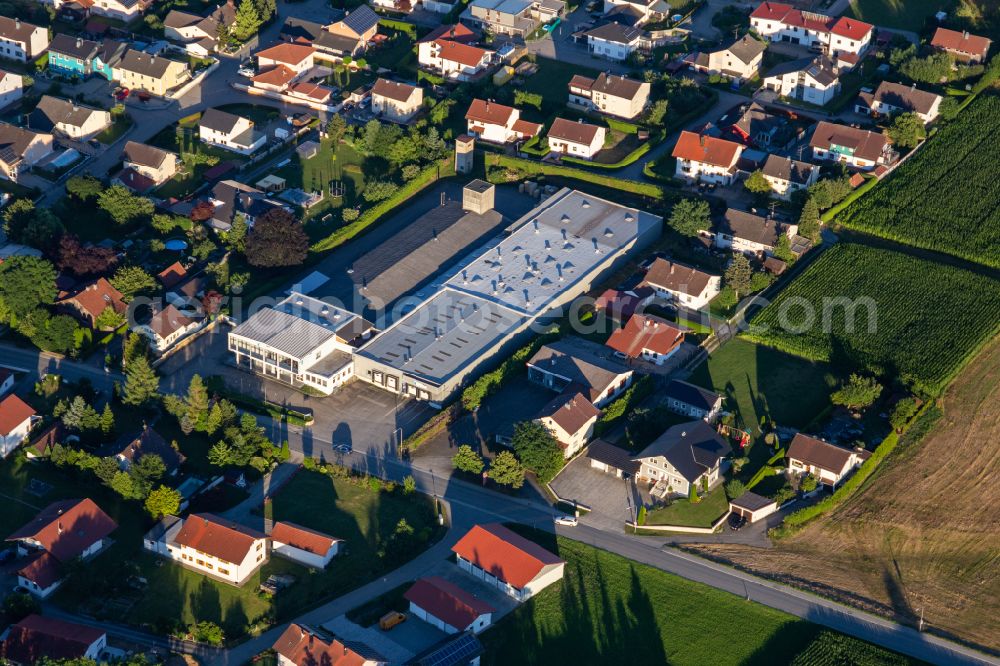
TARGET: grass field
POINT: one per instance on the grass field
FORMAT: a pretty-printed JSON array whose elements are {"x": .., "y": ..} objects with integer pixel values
[
  {"x": 946, "y": 197},
  {"x": 885, "y": 312},
  {"x": 610, "y": 610},
  {"x": 922, "y": 533},
  {"x": 683, "y": 512},
  {"x": 898, "y": 14}
]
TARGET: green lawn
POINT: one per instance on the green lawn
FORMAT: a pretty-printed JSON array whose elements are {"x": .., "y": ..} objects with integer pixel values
[
  {"x": 899, "y": 14},
  {"x": 609, "y": 610},
  {"x": 684, "y": 512},
  {"x": 551, "y": 81},
  {"x": 120, "y": 125}
]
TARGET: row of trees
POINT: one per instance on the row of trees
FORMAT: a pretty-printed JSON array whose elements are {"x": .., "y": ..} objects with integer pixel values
[{"x": 535, "y": 449}]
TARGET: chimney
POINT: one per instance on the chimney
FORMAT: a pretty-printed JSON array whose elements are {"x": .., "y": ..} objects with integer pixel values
[
  {"x": 965, "y": 34},
  {"x": 79, "y": 42}
]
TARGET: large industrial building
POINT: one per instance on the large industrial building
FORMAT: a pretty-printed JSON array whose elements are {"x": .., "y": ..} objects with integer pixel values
[{"x": 555, "y": 253}]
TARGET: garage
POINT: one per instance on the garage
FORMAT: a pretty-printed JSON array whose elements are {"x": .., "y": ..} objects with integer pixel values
[
  {"x": 752, "y": 506},
  {"x": 611, "y": 459}
]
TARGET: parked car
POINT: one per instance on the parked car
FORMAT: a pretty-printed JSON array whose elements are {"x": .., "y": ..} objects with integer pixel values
[
  {"x": 342, "y": 448},
  {"x": 736, "y": 522},
  {"x": 569, "y": 521},
  {"x": 390, "y": 620},
  {"x": 247, "y": 71}
]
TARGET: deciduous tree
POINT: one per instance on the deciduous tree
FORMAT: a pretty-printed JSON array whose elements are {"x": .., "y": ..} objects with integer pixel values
[
  {"x": 163, "y": 501},
  {"x": 26, "y": 283},
  {"x": 689, "y": 216},
  {"x": 123, "y": 206},
  {"x": 538, "y": 450},
  {"x": 739, "y": 273},
  {"x": 132, "y": 280},
  {"x": 859, "y": 392},
  {"x": 277, "y": 239}
]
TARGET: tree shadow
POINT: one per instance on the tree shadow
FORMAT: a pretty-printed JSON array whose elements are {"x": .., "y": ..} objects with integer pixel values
[{"x": 206, "y": 604}]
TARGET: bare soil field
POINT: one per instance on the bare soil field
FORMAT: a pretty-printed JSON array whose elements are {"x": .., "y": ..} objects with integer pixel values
[{"x": 923, "y": 533}]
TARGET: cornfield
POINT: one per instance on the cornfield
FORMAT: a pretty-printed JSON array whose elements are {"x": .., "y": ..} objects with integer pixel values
[{"x": 832, "y": 649}]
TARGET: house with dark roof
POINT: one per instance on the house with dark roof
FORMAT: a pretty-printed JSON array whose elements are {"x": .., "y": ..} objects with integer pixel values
[
  {"x": 577, "y": 364},
  {"x": 125, "y": 11},
  {"x": 37, "y": 637},
  {"x": 212, "y": 546},
  {"x": 145, "y": 167},
  {"x": 72, "y": 56},
  {"x": 620, "y": 304},
  {"x": 613, "y": 41},
  {"x": 687, "y": 456},
  {"x": 63, "y": 531},
  {"x": 230, "y": 198},
  {"x": 686, "y": 285},
  {"x": 16, "y": 420},
  {"x": 739, "y": 60},
  {"x": 89, "y": 302},
  {"x": 752, "y": 506},
  {"x": 11, "y": 88},
  {"x": 396, "y": 101},
  {"x": 20, "y": 40},
  {"x": 230, "y": 131},
  {"x": 69, "y": 118},
  {"x": 350, "y": 35},
  {"x": 155, "y": 74},
  {"x": 753, "y": 125},
  {"x": 575, "y": 138},
  {"x": 306, "y": 546},
  {"x": 829, "y": 463},
  {"x": 447, "y": 606},
  {"x": 965, "y": 46},
  {"x": 787, "y": 176},
  {"x": 689, "y": 400},
  {"x": 130, "y": 449},
  {"x": 611, "y": 94},
  {"x": 570, "y": 417},
  {"x": 858, "y": 148},
  {"x": 648, "y": 338},
  {"x": 517, "y": 18},
  {"x": 813, "y": 80},
  {"x": 301, "y": 645},
  {"x": 644, "y": 10},
  {"x": 611, "y": 458},
  {"x": 740, "y": 231},
  {"x": 706, "y": 158},
  {"x": 168, "y": 326},
  {"x": 198, "y": 34},
  {"x": 892, "y": 98},
  {"x": 499, "y": 557},
  {"x": 21, "y": 149}
]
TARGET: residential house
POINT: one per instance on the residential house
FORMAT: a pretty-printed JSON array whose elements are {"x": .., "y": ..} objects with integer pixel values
[
  {"x": 861, "y": 149},
  {"x": 40, "y": 446},
  {"x": 125, "y": 11},
  {"x": 62, "y": 116},
  {"x": 829, "y": 463},
  {"x": 229, "y": 131},
  {"x": 754, "y": 126},
  {"x": 395, "y": 101},
  {"x": 646, "y": 337},
  {"x": 497, "y": 123},
  {"x": 62, "y": 532},
  {"x": 72, "y": 56},
  {"x": 686, "y": 285},
  {"x": 687, "y": 399},
  {"x": 840, "y": 38},
  {"x": 447, "y": 606},
  {"x": 198, "y": 34},
  {"x": 570, "y": 417},
  {"x": 6, "y": 380},
  {"x": 300, "y": 645},
  {"x": 37, "y": 638},
  {"x": 447, "y": 51},
  {"x": 11, "y": 88},
  {"x": 109, "y": 56},
  {"x": 21, "y": 149},
  {"x": 787, "y": 176},
  {"x": 16, "y": 419},
  {"x": 501, "y": 558},
  {"x": 581, "y": 365},
  {"x": 22, "y": 41},
  {"x": 619, "y": 305},
  {"x": 706, "y": 158},
  {"x": 644, "y": 10},
  {"x": 299, "y": 58},
  {"x": 210, "y": 545},
  {"x": 576, "y": 138},
  {"x": 154, "y": 74},
  {"x": 230, "y": 199},
  {"x": 350, "y": 35},
  {"x": 145, "y": 166},
  {"x": 517, "y": 18},
  {"x": 611, "y": 459},
  {"x": 966, "y": 47},
  {"x": 172, "y": 275},
  {"x": 167, "y": 326},
  {"x": 750, "y": 234},
  {"x": 308, "y": 547},
  {"x": 613, "y": 41},
  {"x": 687, "y": 456},
  {"x": 752, "y": 506},
  {"x": 301, "y": 341},
  {"x": 892, "y": 98},
  {"x": 610, "y": 94},
  {"x": 811, "y": 80},
  {"x": 739, "y": 61},
  {"x": 95, "y": 297},
  {"x": 129, "y": 449}
]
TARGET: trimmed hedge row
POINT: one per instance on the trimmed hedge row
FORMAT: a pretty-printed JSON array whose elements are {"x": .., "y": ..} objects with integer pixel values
[{"x": 530, "y": 169}]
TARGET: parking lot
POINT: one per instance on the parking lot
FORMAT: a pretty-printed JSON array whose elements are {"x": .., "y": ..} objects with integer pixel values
[{"x": 604, "y": 494}]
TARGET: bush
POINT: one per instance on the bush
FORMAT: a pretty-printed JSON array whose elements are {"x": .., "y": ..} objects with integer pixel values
[
  {"x": 641, "y": 517},
  {"x": 734, "y": 488},
  {"x": 409, "y": 485},
  {"x": 902, "y": 412}
]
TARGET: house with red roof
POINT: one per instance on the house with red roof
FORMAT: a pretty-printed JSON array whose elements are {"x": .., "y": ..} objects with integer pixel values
[
  {"x": 88, "y": 303},
  {"x": 16, "y": 419},
  {"x": 6, "y": 380},
  {"x": 301, "y": 645},
  {"x": 843, "y": 39},
  {"x": 37, "y": 637},
  {"x": 63, "y": 531},
  {"x": 706, "y": 158},
  {"x": 447, "y": 606},
  {"x": 499, "y": 557},
  {"x": 168, "y": 326},
  {"x": 622, "y": 304},
  {"x": 306, "y": 546},
  {"x": 648, "y": 338},
  {"x": 448, "y": 52},
  {"x": 571, "y": 418},
  {"x": 497, "y": 123},
  {"x": 210, "y": 545},
  {"x": 966, "y": 47}
]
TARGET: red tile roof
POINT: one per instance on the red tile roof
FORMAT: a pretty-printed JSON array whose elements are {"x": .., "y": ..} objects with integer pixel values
[
  {"x": 571, "y": 410},
  {"x": 302, "y": 538},
  {"x": 962, "y": 42},
  {"x": 312, "y": 91},
  {"x": 678, "y": 277},
  {"x": 291, "y": 54},
  {"x": 35, "y": 637},
  {"x": 304, "y": 648},
  {"x": 42, "y": 570},
  {"x": 646, "y": 332},
  {"x": 172, "y": 274},
  {"x": 707, "y": 149},
  {"x": 447, "y": 601},
  {"x": 851, "y": 28},
  {"x": 817, "y": 453},
  {"x": 226, "y": 540},
  {"x": 489, "y": 113},
  {"x": 771, "y": 11},
  {"x": 67, "y": 528},
  {"x": 169, "y": 320},
  {"x": 394, "y": 90},
  {"x": 504, "y": 554},
  {"x": 135, "y": 181},
  {"x": 525, "y": 127},
  {"x": 279, "y": 76},
  {"x": 574, "y": 132},
  {"x": 454, "y": 33},
  {"x": 95, "y": 297},
  {"x": 463, "y": 54},
  {"x": 13, "y": 412}
]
